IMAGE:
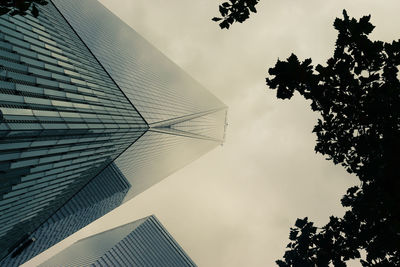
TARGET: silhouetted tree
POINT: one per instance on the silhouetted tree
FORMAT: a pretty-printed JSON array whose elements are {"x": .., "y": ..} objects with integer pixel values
[
  {"x": 235, "y": 10},
  {"x": 357, "y": 95},
  {"x": 20, "y": 7}
]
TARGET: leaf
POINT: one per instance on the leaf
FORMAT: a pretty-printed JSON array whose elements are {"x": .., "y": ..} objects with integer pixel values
[
  {"x": 300, "y": 223},
  {"x": 223, "y": 11},
  {"x": 224, "y": 25},
  {"x": 226, "y": 4},
  {"x": 293, "y": 235},
  {"x": 253, "y": 9},
  {"x": 20, "y": 7},
  {"x": 15, "y": 12},
  {"x": 4, "y": 10},
  {"x": 35, "y": 11},
  {"x": 216, "y": 19},
  {"x": 358, "y": 128},
  {"x": 236, "y": 11},
  {"x": 42, "y": 2}
]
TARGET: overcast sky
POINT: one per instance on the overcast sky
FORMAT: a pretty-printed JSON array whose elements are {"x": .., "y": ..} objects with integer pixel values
[{"x": 235, "y": 205}]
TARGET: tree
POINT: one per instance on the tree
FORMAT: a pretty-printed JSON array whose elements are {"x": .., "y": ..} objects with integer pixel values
[
  {"x": 235, "y": 11},
  {"x": 20, "y": 7},
  {"x": 357, "y": 95}
]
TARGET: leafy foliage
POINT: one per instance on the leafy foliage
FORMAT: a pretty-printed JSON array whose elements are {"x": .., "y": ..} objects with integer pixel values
[
  {"x": 235, "y": 10},
  {"x": 357, "y": 95},
  {"x": 20, "y": 7}
]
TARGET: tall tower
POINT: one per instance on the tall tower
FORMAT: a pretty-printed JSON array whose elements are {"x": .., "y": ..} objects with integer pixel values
[
  {"x": 101, "y": 195},
  {"x": 144, "y": 242},
  {"x": 86, "y": 101}
]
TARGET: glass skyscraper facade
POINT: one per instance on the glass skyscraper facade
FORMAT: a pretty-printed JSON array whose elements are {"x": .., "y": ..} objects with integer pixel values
[
  {"x": 99, "y": 196},
  {"x": 144, "y": 242},
  {"x": 86, "y": 102}
]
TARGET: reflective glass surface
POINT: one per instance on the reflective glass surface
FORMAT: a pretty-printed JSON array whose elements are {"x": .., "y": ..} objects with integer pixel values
[
  {"x": 156, "y": 155},
  {"x": 141, "y": 243},
  {"x": 80, "y": 90},
  {"x": 101, "y": 195},
  {"x": 157, "y": 87},
  {"x": 63, "y": 120}
]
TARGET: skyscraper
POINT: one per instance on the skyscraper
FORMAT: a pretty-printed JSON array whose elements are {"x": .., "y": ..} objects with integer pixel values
[
  {"x": 101, "y": 195},
  {"x": 81, "y": 90},
  {"x": 144, "y": 242}
]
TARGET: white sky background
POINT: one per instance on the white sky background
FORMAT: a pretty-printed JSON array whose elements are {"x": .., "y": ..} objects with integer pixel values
[{"x": 235, "y": 205}]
